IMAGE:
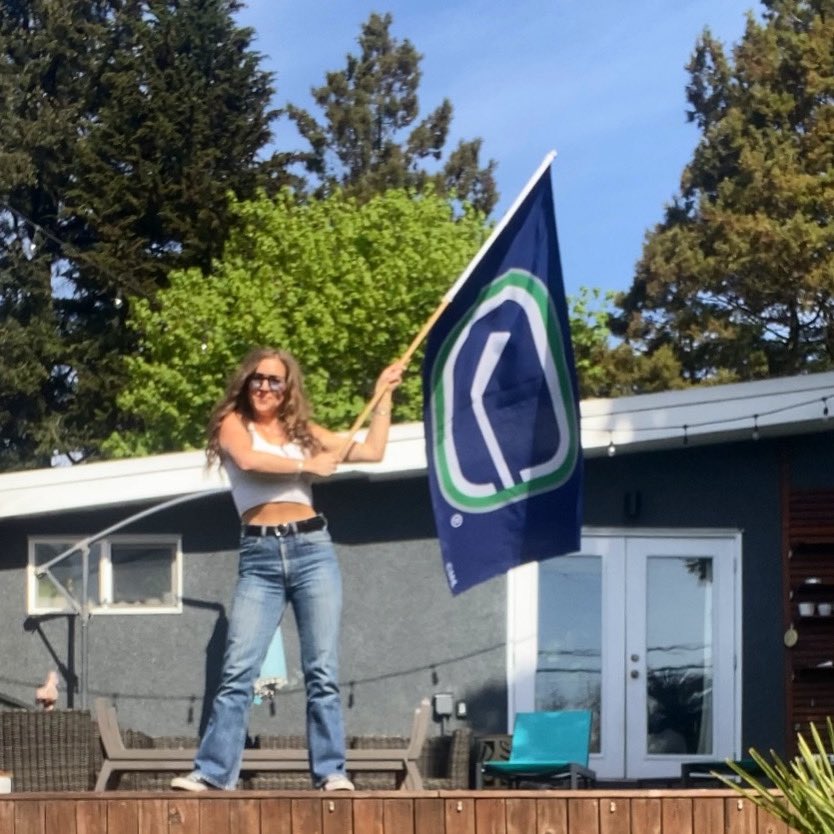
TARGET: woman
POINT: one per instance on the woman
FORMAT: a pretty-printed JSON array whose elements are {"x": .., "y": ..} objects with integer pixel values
[{"x": 271, "y": 450}]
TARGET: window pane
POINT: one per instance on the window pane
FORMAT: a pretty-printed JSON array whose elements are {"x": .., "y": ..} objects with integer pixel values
[
  {"x": 569, "y": 665},
  {"x": 679, "y": 655},
  {"x": 142, "y": 573},
  {"x": 67, "y": 573}
]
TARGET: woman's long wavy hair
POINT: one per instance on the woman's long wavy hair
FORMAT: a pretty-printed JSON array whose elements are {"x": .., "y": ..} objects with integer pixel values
[{"x": 293, "y": 412}]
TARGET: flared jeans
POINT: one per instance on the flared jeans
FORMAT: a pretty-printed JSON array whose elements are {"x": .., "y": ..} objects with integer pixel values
[{"x": 300, "y": 569}]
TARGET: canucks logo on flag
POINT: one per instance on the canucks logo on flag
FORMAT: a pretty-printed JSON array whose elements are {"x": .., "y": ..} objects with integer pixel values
[{"x": 501, "y": 411}]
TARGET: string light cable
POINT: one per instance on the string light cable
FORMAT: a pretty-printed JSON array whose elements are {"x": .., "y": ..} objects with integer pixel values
[{"x": 686, "y": 429}]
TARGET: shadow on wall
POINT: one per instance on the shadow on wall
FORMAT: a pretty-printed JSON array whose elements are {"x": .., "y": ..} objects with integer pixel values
[
  {"x": 213, "y": 654},
  {"x": 66, "y": 670},
  {"x": 487, "y": 710},
  {"x": 365, "y": 512}
]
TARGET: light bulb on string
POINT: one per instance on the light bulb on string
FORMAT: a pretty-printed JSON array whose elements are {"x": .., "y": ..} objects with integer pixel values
[
  {"x": 685, "y": 435},
  {"x": 825, "y": 408},
  {"x": 612, "y": 449}
]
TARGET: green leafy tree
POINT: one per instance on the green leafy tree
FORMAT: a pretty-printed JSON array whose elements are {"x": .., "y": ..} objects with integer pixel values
[
  {"x": 606, "y": 367},
  {"x": 344, "y": 286},
  {"x": 370, "y": 140},
  {"x": 737, "y": 282},
  {"x": 126, "y": 125}
]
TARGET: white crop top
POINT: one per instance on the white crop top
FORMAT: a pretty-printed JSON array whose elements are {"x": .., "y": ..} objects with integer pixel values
[{"x": 249, "y": 489}]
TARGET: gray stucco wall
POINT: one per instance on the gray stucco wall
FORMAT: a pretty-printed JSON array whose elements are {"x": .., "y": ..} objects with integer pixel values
[{"x": 404, "y": 635}]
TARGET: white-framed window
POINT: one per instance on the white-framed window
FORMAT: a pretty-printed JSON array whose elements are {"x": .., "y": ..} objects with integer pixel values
[{"x": 140, "y": 574}]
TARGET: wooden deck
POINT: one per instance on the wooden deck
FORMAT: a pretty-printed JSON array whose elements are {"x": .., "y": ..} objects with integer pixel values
[{"x": 424, "y": 812}]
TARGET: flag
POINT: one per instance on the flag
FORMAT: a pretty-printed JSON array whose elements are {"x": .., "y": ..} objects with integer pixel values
[{"x": 501, "y": 407}]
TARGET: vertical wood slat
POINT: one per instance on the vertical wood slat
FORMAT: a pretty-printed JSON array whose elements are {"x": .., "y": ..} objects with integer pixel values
[
  {"x": 153, "y": 816},
  {"x": 428, "y": 816},
  {"x": 647, "y": 815},
  {"x": 766, "y": 824},
  {"x": 183, "y": 816},
  {"x": 337, "y": 816},
  {"x": 740, "y": 816},
  {"x": 306, "y": 816},
  {"x": 520, "y": 816},
  {"x": 122, "y": 816},
  {"x": 397, "y": 816},
  {"x": 552, "y": 816},
  {"x": 91, "y": 816},
  {"x": 583, "y": 816},
  {"x": 28, "y": 818},
  {"x": 707, "y": 816},
  {"x": 487, "y": 812},
  {"x": 59, "y": 817},
  {"x": 490, "y": 817},
  {"x": 7, "y": 815},
  {"x": 244, "y": 816},
  {"x": 367, "y": 816},
  {"x": 676, "y": 815},
  {"x": 615, "y": 816},
  {"x": 460, "y": 816},
  {"x": 214, "y": 817},
  {"x": 276, "y": 816}
]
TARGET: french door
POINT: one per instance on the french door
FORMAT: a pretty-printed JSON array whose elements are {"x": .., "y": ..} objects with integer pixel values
[{"x": 643, "y": 629}]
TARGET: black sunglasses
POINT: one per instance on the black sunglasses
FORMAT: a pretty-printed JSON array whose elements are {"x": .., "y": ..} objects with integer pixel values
[{"x": 276, "y": 383}]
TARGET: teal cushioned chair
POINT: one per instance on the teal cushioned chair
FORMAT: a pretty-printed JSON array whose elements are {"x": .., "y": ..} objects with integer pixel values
[{"x": 548, "y": 747}]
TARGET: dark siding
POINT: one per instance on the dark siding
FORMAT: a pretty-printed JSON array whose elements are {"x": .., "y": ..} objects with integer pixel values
[{"x": 733, "y": 486}]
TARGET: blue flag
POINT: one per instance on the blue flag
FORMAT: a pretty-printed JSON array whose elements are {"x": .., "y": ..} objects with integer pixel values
[{"x": 501, "y": 407}]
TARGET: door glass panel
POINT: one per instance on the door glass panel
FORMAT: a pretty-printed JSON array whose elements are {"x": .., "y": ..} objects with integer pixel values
[
  {"x": 569, "y": 662},
  {"x": 679, "y": 655}
]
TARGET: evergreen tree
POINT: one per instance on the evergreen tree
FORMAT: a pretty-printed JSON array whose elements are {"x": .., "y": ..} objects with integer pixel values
[
  {"x": 369, "y": 142},
  {"x": 738, "y": 280},
  {"x": 126, "y": 125},
  {"x": 604, "y": 369}
]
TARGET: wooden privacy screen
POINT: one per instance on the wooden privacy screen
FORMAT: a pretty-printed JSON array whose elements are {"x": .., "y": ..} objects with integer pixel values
[{"x": 809, "y": 610}]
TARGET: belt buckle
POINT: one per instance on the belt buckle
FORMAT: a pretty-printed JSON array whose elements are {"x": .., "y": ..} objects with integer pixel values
[{"x": 282, "y": 530}]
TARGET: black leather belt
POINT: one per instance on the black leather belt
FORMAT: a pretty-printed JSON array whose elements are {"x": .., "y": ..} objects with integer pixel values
[{"x": 306, "y": 525}]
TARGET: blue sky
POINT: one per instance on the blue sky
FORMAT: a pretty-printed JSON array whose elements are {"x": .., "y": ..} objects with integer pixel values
[{"x": 600, "y": 81}]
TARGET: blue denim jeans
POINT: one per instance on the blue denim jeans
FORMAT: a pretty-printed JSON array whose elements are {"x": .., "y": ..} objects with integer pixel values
[{"x": 302, "y": 570}]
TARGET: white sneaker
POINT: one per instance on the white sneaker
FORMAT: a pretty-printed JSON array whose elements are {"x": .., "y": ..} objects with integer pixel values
[
  {"x": 337, "y": 782},
  {"x": 193, "y": 782}
]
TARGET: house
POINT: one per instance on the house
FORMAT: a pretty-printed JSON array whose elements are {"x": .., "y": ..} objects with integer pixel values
[{"x": 709, "y": 516}]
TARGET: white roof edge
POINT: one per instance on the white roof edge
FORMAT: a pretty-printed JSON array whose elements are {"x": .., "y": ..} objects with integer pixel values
[{"x": 711, "y": 414}]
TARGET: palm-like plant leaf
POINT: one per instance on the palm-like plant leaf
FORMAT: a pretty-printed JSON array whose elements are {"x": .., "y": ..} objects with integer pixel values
[{"x": 806, "y": 784}]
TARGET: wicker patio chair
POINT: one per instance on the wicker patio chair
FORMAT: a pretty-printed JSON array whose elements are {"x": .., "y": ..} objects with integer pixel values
[
  {"x": 445, "y": 761},
  {"x": 47, "y": 751}
]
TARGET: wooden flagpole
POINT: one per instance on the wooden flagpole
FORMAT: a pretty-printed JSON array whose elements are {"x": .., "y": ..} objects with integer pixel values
[{"x": 447, "y": 298}]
